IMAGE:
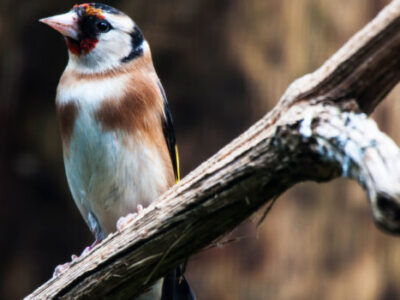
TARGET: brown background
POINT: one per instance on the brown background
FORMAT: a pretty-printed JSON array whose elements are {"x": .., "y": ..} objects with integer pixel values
[{"x": 224, "y": 64}]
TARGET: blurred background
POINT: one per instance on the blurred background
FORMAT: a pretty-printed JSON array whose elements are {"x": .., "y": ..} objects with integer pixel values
[{"x": 223, "y": 64}]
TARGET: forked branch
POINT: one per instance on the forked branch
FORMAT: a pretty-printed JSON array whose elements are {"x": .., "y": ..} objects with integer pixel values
[{"x": 318, "y": 131}]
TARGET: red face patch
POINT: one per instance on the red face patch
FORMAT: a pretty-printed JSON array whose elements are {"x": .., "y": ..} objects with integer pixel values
[
  {"x": 88, "y": 44},
  {"x": 73, "y": 46},
  {"x": 81, "y": 47}
]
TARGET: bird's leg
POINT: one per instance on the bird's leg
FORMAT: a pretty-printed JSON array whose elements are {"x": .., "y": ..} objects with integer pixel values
[
  {"x": 89, "y": 248},
  {"x": 62, "y": 268},
  {"x": 97, "y": 230},
  {"x": 124, "y": 221},
  {"x": 99, "y": 234}
]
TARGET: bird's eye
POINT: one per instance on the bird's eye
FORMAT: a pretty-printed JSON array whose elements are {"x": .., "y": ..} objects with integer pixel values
[{"x": 103, "y": 26}]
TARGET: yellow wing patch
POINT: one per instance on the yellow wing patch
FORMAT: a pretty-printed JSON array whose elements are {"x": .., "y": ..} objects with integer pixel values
[{"x": 178, "y": 172}]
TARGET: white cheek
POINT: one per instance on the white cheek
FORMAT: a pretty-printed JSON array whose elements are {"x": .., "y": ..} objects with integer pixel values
[
  {"x": 111, "y": 48},
  {"x": 92, "y": 92}
]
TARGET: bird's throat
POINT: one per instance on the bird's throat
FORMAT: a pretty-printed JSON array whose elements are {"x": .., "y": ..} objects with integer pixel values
[{"x": 83, "y": 46}]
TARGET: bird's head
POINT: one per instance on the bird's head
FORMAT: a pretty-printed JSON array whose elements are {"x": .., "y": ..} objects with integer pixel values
[{"x": 98, "y": 37}]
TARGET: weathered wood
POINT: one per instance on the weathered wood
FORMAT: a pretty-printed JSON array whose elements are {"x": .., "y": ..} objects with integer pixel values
[{"x": 317, "y": 131}]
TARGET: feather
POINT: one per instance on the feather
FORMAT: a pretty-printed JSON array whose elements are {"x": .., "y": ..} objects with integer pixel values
[{"x": 169, "y": 134}]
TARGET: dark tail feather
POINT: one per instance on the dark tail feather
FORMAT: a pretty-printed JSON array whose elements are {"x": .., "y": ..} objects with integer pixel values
[{"x": 175, "y": 286}]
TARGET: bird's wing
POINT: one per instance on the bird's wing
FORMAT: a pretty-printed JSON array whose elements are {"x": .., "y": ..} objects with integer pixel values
[
  {"x": 169, "y": 134},
  {"x": 175, "y": 286}
]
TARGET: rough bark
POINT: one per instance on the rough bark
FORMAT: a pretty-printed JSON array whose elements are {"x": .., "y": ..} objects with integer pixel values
[{"x": 318, "y": 131}]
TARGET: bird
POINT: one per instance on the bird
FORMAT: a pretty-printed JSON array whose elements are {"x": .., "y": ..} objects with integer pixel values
[{"x": 118, "y": 140}]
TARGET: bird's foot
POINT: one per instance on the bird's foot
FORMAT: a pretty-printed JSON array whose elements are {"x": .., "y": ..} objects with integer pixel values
[
  {"x": 62, "y": 268},
  {"x": 89, "y": 248},
  {"x": 124, "y": 221}
]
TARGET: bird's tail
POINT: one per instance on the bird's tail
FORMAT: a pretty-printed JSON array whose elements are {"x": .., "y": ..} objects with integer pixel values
[{"x": 176, "y": 287}]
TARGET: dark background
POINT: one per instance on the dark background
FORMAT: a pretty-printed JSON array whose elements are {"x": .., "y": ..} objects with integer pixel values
[{"x": 223, "y": 64}]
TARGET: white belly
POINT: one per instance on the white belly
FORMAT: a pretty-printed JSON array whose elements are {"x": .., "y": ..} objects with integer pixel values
[{"x": 109, "y": 174}]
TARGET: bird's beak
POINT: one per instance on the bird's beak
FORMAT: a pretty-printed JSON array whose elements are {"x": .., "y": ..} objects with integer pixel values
[{"x": 66, "y": 24}]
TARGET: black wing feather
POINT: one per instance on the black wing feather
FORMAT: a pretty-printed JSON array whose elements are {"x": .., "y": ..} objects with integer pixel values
[
  {"x": 175, "y": 286},
  {"x": 169, "y": 134}
]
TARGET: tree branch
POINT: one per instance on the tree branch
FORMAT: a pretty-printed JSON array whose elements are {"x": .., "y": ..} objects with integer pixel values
[{"x": 318, "y": 131}]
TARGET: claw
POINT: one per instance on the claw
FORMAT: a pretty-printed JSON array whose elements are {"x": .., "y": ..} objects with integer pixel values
[
  {"x": 129, "y": 218},
  {"x": 124, "y": 221},
  {"x": 61, "y": 269}
]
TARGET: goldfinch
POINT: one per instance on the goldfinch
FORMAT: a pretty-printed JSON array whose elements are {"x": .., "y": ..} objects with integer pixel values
[{"x": 117, "y": 131}]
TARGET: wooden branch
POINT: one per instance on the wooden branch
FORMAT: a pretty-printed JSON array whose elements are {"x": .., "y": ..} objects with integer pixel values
[{"x": 317, "y": 131}]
